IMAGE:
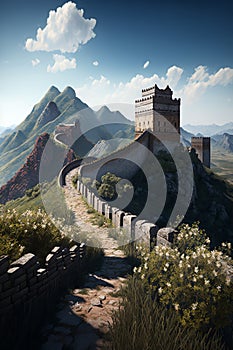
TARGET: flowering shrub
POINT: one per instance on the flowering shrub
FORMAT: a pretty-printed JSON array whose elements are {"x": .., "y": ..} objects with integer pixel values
[
  {"x": 30, "y": 232},
  {"x": 190, "y": 279}
]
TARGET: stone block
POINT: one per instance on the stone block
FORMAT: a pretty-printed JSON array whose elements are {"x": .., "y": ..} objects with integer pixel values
[
  {"x": 56, "y": 250},
  {"x": 4, "y": 264},
  {"x": 4, "y": 278},
  {"x": 15, "y": 272},
  {"x": 50, "y": 259},
  {"x": 119, "y": 218},
  {"x": 96, "y": 203},
  {"x": 165, "y": 236},
  {"x": 145, "y": 232},
  {"x": 108, "y": 211},
  {"x": 101, "y": 207},
  {"x": 129, "y": 222},
  {"x": 26, "y": 261},
  {"x": 114, "y": 211}
]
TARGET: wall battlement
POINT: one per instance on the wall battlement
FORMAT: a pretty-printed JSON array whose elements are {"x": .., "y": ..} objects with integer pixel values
[
  {"x": 27, "y": 291},
  {"x": 158, "y": 111}
]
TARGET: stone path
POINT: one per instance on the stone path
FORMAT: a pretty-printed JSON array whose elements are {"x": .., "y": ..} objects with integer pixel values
[{"x": 84, "y": 315}]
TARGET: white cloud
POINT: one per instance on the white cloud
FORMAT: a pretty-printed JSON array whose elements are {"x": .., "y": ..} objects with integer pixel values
[
  {"x": 35, "y": 62},
  {"x": 102, "y": 91},
  {"x": 146, "y": 64},
  {"x": 95, "y": 63},
  {"x": 200, "y": 80},
  {"x": 61, "y": 63},
  {"x": 65, "y": 31}
]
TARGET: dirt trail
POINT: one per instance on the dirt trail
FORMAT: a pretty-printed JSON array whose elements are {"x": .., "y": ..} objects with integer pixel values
[{"x": 84, "y": 314}]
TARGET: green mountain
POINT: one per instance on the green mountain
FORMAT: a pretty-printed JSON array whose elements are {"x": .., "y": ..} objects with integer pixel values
[
  {"x": 27, "y": 125},
  {"x": 44, "y": 117},
  {"x": 113, "y": 121},
  {"x": 13, "y": 141}
]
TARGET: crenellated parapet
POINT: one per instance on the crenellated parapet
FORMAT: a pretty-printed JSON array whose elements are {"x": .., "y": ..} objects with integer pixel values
[
  {"x": 158, "y": 111},
  {"x": 28, "y": 291}
]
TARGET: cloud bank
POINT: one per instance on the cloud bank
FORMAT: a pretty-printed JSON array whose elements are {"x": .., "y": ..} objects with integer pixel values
[
  {"x": 65, "y": 31},
  {"x": 103, "y": 91},
  {"x": 200, "y": 80}
]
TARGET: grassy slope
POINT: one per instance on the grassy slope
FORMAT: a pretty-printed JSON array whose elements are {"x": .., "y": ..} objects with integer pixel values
[{"x": 222, "y": 164}]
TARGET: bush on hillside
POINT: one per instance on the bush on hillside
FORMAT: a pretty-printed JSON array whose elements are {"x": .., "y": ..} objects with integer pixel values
[
  {"x": 30, "y": 232},
  {"x": 141, "y": 323},
  {"x": 190, "y": 279}
]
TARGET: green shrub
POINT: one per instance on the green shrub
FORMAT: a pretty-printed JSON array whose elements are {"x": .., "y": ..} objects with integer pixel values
[
  {"x": 75, "y": 179},
  {"x": 107, "y": 187},
  {"x": 191, "y": 279},
  {"x": 30, "y": 232},
  {"x": 141, "y": 323}
]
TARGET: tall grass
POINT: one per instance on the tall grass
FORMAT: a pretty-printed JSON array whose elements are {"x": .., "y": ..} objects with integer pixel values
[{"x": 143, "y": 324}]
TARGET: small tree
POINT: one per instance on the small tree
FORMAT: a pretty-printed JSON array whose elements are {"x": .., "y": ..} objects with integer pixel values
[{"x": 107, "y": 189}]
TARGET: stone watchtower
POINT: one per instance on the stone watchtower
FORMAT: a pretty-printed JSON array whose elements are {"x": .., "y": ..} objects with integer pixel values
[
  {"x": 159, "y": 112},
  {"x": 202, "y": 147}
]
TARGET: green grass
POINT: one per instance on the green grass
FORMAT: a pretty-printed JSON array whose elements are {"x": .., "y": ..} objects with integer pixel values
[
  {"x": 141, "y": 323},
  {"x": 48, "y": 197}
]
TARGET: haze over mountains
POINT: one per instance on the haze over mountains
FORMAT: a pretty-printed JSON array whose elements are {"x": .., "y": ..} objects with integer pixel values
[
  {"x": 57, "y": 108},
  {"x": 209, "y": 130}
]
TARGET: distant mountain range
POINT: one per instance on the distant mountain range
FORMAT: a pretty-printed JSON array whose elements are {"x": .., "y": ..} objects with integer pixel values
[
  {"x": 209, "y": 130},
  {"x": 218, "y": 141},
  {"x": 58, "y": 108},
  {"x": 6, "y": 129}
]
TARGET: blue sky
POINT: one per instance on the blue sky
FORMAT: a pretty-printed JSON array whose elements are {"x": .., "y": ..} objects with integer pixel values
[{"x": 113, "y": 49}]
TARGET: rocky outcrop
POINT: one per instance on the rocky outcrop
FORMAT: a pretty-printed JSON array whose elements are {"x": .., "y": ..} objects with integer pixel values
[
  {"x": 50, "y": 113},
  {"x": 28, "y": 175}
]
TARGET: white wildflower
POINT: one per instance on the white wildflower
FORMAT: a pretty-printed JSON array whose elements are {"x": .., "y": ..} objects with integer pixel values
[{"x": 194, "y": 306}]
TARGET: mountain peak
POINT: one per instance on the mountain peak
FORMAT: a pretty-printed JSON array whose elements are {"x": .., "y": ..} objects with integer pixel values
[
  {"x": 104, "y": 108},
  {"x": 69, "y": 91},
  {"x": 53, "y": 89},
  {"x": 50, "y": 113}
]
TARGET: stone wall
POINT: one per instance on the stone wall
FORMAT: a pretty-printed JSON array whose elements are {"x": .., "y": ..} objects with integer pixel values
[
  {"x": 135, "y": 229},
  {"x": 28, "y": 292}
]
